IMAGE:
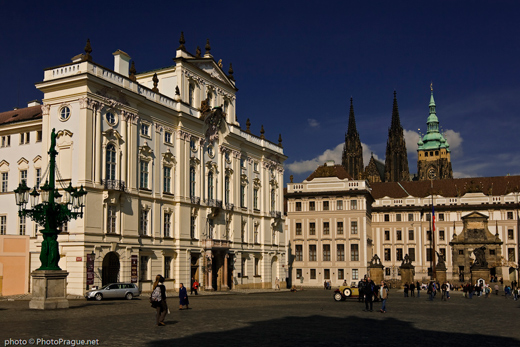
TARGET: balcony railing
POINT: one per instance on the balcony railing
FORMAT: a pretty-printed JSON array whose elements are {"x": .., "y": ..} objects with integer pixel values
[
  {"x": 275, "y": 214},
  {"x": 209, "y": 243},
  {"x": 114, "y": 185},
  {"x": 230, "y": 207},
  {"x": 195, "y": 200},
  {"x": 214, "y": 203}
]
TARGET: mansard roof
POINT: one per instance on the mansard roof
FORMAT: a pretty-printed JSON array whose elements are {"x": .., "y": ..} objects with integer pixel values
[
  {"x": 330, "y": 171},
  {"x": 502, "y": 185},
  {"x": 21, "y": 115}
]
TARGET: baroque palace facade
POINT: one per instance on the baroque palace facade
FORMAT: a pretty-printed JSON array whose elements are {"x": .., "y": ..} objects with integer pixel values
[
  {"x": 339, "y": 218},
  {"x": 175, "y": 186}
]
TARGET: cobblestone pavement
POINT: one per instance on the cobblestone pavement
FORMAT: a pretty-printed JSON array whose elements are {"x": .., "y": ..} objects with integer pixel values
[{"x": 248, "y": 318}]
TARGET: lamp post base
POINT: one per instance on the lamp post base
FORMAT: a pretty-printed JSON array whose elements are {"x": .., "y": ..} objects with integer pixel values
[{"x": 49, "y": 290}]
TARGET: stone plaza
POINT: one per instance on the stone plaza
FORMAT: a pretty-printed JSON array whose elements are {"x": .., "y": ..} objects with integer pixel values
[{"x": 261, "y": 318}]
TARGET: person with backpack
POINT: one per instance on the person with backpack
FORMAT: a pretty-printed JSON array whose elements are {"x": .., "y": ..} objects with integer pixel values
[{"x": 158, "y": 300}]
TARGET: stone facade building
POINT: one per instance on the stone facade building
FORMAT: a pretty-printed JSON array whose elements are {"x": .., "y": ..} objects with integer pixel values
[{"x": 175, "y": 186}]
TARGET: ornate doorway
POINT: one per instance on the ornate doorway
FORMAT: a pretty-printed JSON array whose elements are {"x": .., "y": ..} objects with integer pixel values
[{"x": 111, "y": 267}]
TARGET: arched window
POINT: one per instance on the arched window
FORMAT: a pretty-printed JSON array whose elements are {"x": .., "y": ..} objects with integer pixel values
[
  {"x": 226, "y": 190},
  {"x": 210, "y": 185},
  {"x": 191, "y": 94},
  {"x": 111, "y": 162},
  {"x": 192, "y": 181}
]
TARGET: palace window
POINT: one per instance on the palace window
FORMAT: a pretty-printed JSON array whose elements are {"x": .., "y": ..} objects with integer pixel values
[
  {"x": 5, "y": 179},
  {"x": 298, "y": 206},
  {"x": 411, "y": 253},
  {"x": 511, "y": 254},
  {"x": 325, "y": 206},
  {"x": 429, "y": 254},
  {"x": 340, "y": 250},
  {"x": 111, "y": 219},
  {"x": 354, "y": 252},
  {"x": 410, "y": 217},
  {"x": 410, "y": 235},
  {"x": 353, "y": 227},
  {"x": 510, "y": 234},
  {"x": 23, "y": 176},
  {"x": 191, "y": 92},
  {"x": 145, "y": 129},
  {"x": 299, "y": 253},
  {"x": 167, "y": 224},
  {"x": 509, "y": 215},
  {"x": 298, "y": 228},
  {"x": 22, "y": 225},
  {"x": 387, "y": 217},
  {"x": 312, "y": 228},
  {"x": 312, "y": 252},
  {"x": 167, "y": 267},
  {"x": 192, "y": 227},
  {"x": 111, "y": 119},
  {"x": 192, "y": 181},
  {"x": 340, "y": 228},
  {"x": 111, "y": 162},
  {"x": 143, "y": 223},
  {"x": 399, "y": 254},
  {"x": 143, "y": 177},
  {"x": 3, "y": 225},
  {"x": 299, "y": 273},
  {"x": 353, "y": 204},
  {"x": 38, "y": 176},
  {"x": 387, "y": 235},
  {"x": 326, "y": 274},
  {"x": 257, "y": 266},
  {"x": 167, "y": 179},
  {"x": 341, "y": 274},
  {"x": 388, "y": 256},
  {"x": 441, "y": 217},
  {"x": 441, "y": 235},
  {"x": 312, "y": 206},
  {"x": 326, "y": 228},
  {"x": 313, "y": 274},
  {"x": 355, "y": 274},
  {"x": 242, "y": 196},
  {"x": 6, "y": 141},
  {"x": 398, "y": 217},
  {"x": 255, "y": 198},
  {"x": 326, "y": 252},
  {"x": 210, "y": 185},
  {"x": 226, "y": 190},
  {"x": 399, "y": 235},
  {"x": 39, "y": 135},
  {"x": 168, "y": 137}
]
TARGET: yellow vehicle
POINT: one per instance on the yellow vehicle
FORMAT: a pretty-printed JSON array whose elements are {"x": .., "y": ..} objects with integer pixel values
[{"x": 345, "y": 292}]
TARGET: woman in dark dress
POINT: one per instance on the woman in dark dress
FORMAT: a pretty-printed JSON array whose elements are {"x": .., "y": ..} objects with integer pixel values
[
  {"x": 160, "y": 306},
  {"x": 183, "y": 297}
]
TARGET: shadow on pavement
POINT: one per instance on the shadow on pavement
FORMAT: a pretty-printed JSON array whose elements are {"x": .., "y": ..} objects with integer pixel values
[{"x": 320, "y": 330}]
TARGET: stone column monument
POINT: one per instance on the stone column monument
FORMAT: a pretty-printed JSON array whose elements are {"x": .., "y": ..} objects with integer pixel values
[
  {"x": 480, "y": 269},
  {"x": 407, "y": 270},
  {"x": 440, "y": 268},
  {"x": 376, "y": 269}
]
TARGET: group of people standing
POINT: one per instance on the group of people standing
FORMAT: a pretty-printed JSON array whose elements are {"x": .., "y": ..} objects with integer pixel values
[
  {"x": 158, "y": 299},
  {"x": 368, "y": 291}
]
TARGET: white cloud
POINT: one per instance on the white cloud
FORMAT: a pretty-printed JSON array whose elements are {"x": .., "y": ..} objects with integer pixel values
[
  {"x": 455, "y": 142},
  {"x": 303, "y": 166},
  {"x": 313, "y": 123},
  {"x": 411, "y": 138}
]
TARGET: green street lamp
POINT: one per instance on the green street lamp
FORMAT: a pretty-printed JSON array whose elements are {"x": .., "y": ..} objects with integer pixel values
[{"x": 50, "y": 213}]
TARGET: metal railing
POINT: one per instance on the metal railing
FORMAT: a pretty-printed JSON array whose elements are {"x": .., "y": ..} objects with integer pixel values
[{"x": 114, "y": 185}]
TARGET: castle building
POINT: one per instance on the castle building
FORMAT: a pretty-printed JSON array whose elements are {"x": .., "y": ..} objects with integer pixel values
[
  {"x": 433, "y": 150},
  {"x": 352, "y": 158},
  {"x": 396, "y": 160},
  {"x": 328, "y": 222},
  {"x": 175, "y": 186}
]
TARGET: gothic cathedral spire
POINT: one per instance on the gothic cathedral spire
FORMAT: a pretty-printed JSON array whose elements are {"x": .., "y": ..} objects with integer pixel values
[
  {"x": 396, "y": 161},
  {"x": 352, "y": 159}
]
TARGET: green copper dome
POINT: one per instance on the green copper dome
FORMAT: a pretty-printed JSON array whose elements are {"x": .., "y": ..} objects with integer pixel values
[{"x": 433, "y": 138}]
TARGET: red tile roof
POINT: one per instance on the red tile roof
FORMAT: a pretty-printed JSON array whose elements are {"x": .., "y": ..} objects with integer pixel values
[
  {"x": 21, "y": 114},
  {"x": 448, "y": 188}
]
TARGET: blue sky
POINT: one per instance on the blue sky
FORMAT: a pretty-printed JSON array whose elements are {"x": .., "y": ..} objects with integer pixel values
[{"x": 298, "y": 63}]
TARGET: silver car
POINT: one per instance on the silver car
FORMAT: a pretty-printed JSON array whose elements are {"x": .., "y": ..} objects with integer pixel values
[{"x": 114, "y": 291}]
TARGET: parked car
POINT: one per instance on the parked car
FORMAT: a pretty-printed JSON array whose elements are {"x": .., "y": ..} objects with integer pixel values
[
  {"x": 114, "y": 291},
  {"x": 344, "y": 292}
]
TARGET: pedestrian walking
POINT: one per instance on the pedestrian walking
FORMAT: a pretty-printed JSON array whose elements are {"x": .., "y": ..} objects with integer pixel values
[
  {"x": 195, "y": 287},
  {"x": 406, "y": 290},
  {"x": 431, "y": 288},
  {"x": 277, "y": 284},
  {"x": 383, "y": 295},
  {"x": 496, "y": 289},
  {"x": 183, "y": 297},
  {"x": 369, "y": 292},
  {"x": 418, "y": 286},
  {"x": 412, "y": 289},
  {"x": 448, "y": 288},
  {"x": 158, "y": 300}
]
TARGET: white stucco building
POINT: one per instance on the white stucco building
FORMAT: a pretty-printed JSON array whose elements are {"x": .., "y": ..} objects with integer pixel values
[{"x": 174, "y": 187}]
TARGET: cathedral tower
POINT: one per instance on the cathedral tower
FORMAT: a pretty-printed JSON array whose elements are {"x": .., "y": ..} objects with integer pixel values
[
  {"x": 433, "y": 150},
  {"x": 396, "y": 161},
  {"x": 352, "y": 159}
]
